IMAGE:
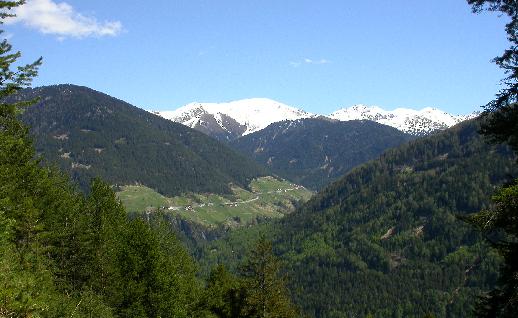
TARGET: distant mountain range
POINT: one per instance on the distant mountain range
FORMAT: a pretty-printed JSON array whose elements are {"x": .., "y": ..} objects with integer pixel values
[
  {"x": 92, "y": 134},
  {"x": 229, "y": 121},
  {"x": 88, "y": 133},
  {"x": 415, "y": 122}
]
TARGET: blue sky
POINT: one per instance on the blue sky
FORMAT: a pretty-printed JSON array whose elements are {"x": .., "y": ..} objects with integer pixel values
[{"x": 316, "y": 55}]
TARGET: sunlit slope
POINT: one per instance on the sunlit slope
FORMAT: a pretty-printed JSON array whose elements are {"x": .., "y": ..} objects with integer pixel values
[{"x": 267, "y": 197}]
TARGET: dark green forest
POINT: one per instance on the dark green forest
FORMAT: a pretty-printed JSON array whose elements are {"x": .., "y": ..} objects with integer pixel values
[
  {"x": 314, "y": 152},
  {"x": 65, "y": 254},
  {"x": 387, "y": 239},
  {"x": 90, "y": 134}
]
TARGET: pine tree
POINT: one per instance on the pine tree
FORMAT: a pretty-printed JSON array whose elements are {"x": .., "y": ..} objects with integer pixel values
[
  {"x": 25, "y": 282},
  {"x": 159, "y": 277},
  {"x": 500, "y": 222},
  {"x": 224, "y": 296},
  {"x": 64, "y": 255},
  {"x": 502, "y": 112},
  {"x": 501, "y": 227},
  {"x": 105, "y": 232},
  {"x": 267, "y": 295}
]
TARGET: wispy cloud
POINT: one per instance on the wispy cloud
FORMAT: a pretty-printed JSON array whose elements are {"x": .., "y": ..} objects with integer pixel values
[
  {"x": 62, "y": 20},
  {"x": 309, "y": 61},
  {"x": 321, "y": 61}
]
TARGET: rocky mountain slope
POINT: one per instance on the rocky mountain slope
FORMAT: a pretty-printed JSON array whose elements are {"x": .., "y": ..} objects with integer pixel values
[{"x": 229, "y": 121}]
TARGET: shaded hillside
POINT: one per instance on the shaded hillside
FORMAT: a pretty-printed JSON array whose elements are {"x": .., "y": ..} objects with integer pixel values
[
  {"x": 315, "y": 151},
  {"x": 92, "y": 134},
  {"x": 385, "y": 239}
]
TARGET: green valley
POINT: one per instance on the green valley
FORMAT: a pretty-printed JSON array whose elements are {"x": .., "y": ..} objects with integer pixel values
[{"x": 266, "y": 197}]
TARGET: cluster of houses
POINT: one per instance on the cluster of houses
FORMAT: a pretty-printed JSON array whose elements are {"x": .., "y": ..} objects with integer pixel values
[
  {"x": 190, "y": 208},
  {"x": 186, "y": 208}
]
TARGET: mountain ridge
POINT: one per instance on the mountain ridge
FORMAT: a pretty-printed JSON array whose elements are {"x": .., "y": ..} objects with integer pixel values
[
  {"x": 232, "y": 120},
  {"x": 315, "y": 151},
  {"x": 415, "y": 122},
  {"x": 232, "y": 117},
  {"x": 88, "y": 133}
]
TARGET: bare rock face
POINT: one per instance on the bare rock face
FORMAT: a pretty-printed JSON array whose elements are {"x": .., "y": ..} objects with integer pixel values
[{"x": 226, "y": 128}]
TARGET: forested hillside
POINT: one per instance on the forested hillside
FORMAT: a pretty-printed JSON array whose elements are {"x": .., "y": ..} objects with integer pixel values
[
  {"x": 89, "y": 134},
  {"x": 316, "y": 151},
  {"x": 67, "y": 254},
  {"x": 386, "y": 238}
]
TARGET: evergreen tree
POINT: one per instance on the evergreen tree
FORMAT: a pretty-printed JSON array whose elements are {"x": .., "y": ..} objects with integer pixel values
[
  {"x": 224, "y": 295},
  {"x": 501, "y": 222},
  {"x": 501, "y": 226},
  {"x": 267, "y": 295},
  {"x": 159, "y": 275},
  {"x": 502, "y": 112},
  {"x": 63, "y": 255},
  {"x": 100, "y": 241},
  {"x": 25, "y": 283}
]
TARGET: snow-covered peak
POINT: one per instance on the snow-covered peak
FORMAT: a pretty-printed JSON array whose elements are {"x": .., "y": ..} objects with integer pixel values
[
  {"x": 234, "y": 119},
  {"x": 417, "y": 122},
  {"x": 254, "y": 113}
]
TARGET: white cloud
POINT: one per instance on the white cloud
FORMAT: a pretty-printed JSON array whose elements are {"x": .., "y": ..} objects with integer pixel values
[
  {"x": 321, "y": 61},
  {"x": 309, "y": 61},
  {"x": 62, "y": 20}
]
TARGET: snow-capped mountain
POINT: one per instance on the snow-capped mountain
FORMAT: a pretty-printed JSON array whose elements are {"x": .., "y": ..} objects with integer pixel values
[
  {"x": 234, "y": 119},
  {"x": 229, "y": 121},
  {"x": 415, "y": 122}
]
